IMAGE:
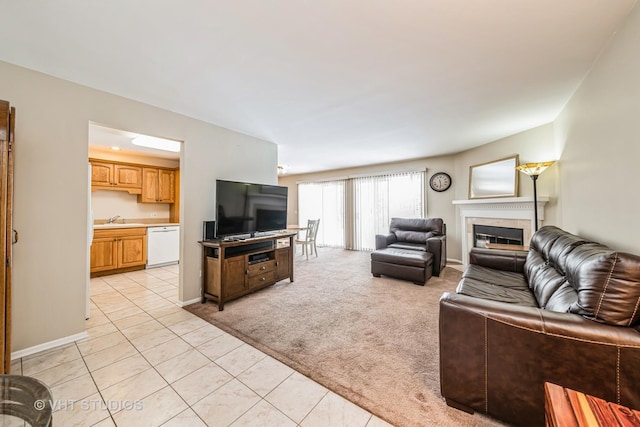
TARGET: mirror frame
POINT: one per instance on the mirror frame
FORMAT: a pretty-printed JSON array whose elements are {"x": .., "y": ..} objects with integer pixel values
[{"x": 503, "y": 169}]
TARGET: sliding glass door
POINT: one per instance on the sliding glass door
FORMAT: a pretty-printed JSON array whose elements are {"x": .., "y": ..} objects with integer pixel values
[
  {"x": 324, "y": 201},
  {"x": 377, "y": 199},
  {"x": 368, "y": 202}
]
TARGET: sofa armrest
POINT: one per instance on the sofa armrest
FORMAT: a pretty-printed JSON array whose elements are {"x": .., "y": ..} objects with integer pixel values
[
  {"x": 437, "y": 245},
  {"x": 498, "y": 259},
  {"x": 495, "y": 358},
  {"x": 384, "y": 240}
]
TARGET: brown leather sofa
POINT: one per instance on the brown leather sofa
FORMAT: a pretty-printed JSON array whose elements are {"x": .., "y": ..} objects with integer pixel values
[
  {"x": 415, "y": 249},
  {"x": 567, "y": 312}
]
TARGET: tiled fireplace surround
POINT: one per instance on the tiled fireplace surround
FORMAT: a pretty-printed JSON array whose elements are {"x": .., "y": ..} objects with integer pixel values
[{"x": 513, "y": 212}]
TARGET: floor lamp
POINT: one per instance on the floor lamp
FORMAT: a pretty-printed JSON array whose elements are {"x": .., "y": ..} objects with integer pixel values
[{"x": 534, "y": 170}]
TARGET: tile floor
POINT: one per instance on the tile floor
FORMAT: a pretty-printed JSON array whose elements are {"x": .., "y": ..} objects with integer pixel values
[{"x": 148, "y": 362}]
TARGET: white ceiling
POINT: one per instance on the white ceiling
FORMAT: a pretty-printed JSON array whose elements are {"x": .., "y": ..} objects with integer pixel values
[
  {"x": 335, "y": 83},
  {"x": 105, "y": 138}
]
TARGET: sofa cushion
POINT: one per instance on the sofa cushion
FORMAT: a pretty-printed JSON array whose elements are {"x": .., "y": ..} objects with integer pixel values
[
  {"x": 497, "y": 285},
  {"x": 543, "y": 239},
  {"x": 546, "y": 264},
  {"x": 562, "y": 246},
  {"x": 480, "y": 289},
  {"x": 508, "y": 279},
  {"x": 607, "y": 284},
  {"x": 562, "y": 299}
]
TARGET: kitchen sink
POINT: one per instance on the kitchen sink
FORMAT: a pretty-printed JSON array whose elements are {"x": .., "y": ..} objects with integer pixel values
[{"x": 119, "y": 225}]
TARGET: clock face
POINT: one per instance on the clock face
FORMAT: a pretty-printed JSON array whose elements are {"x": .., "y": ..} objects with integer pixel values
[{"x": 440, "y": 181}]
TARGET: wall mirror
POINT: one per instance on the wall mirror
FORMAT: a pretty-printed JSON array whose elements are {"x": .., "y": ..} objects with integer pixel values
[{"x": 498, "y": 178}]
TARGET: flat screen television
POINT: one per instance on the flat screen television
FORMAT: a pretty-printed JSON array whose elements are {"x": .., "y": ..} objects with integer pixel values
[{"x": 245, "y": 208}]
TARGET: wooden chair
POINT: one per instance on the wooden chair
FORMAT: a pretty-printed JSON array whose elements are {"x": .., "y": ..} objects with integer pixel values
[{"x": 308, "y": 243}]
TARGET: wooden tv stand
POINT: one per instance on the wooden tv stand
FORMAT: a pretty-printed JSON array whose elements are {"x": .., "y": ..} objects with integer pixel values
[{"x": 234, "y": 268}]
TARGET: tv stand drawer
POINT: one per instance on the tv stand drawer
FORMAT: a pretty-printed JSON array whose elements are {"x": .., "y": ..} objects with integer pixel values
[
  {"x": 267, "y": 278},
  {"x": 261, "y": 268}
]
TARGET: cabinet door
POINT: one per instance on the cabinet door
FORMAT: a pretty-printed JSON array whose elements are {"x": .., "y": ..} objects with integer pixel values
[
  {"x": 283, "y": 259},
  {"x": 234, "y": 275},
  {"x": 166, "y": 186},
  {"x": 104, "y": 254},
  {"x": 128, "y": 176},
  {"x": 132, "y": 251},
  {"x": 149, "y": 185},
  {"x": 101, "y": 174}
]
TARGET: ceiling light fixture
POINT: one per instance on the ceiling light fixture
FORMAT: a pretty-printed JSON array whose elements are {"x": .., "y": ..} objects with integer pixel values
[
  {"x": 157, "y": 143},
  {"x": 281, "y": 170}
]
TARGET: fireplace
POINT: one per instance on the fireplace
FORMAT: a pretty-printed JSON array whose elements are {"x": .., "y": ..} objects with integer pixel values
[
  {"x": 507, "y": 212},
  {"x": 489, "y": 236}
]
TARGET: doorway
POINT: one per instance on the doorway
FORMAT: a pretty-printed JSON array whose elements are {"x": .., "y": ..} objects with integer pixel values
[{"x": 133, "y": 198}]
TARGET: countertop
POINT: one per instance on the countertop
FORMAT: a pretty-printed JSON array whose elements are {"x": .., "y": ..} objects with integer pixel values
[{"x": 132, "y": 225}]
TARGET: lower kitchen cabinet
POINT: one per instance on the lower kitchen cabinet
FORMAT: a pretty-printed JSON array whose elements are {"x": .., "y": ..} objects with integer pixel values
[{"x": 118, "y": 250}]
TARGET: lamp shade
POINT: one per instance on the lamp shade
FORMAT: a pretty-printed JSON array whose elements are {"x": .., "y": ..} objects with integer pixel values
[{"x": 534, "y": 169}]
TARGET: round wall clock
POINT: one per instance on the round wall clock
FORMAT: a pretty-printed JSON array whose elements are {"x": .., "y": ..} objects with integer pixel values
[{"x": 440, "y": 181}]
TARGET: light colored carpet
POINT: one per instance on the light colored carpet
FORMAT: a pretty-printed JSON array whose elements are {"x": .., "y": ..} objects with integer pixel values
[{"x": 372, "y": 340}]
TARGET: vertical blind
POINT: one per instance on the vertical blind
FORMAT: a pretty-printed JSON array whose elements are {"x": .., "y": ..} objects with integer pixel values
[
  {"x": 377, "y": 199},
  {"x": 369, "y": 202},
  {"x": 324, "y": 201}
]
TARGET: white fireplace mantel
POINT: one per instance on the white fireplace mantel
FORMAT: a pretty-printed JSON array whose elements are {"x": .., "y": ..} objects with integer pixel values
[{"x": 504, "y": 208}]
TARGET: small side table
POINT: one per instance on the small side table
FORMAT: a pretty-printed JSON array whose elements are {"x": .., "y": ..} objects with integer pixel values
[{"x": 564, "y": 407}]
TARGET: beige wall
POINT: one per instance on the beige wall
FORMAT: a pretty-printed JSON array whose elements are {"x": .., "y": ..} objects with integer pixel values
[
  {"x": 598, "y": 133},
  {"x": 106, "y": 204},
  {"x": 50, "y": 271}
]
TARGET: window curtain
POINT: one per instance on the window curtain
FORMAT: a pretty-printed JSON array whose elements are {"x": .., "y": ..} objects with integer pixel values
[
  {"x": 369, "y": 202},
  {"x": 377, "y": 199},
  {"x": 324, "y": 201}
]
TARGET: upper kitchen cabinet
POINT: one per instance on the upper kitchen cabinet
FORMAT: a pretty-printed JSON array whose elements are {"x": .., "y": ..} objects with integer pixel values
[
  {"x": 158, "y": 185},
  {"x": 107, "y": 175}
]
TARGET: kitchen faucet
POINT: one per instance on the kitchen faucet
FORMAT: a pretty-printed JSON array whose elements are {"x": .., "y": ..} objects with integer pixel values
[{"x": 113, "y": 219}]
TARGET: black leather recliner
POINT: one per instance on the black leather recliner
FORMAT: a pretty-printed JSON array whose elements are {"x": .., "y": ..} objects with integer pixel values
[{"x": 418, "y": 234}]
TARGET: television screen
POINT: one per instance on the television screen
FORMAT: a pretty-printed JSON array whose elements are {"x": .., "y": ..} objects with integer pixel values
[{"x": 245, "y": 208}]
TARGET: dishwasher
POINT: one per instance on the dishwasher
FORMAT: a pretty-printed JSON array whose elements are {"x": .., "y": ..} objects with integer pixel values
[{"x": 163, "y": 245}]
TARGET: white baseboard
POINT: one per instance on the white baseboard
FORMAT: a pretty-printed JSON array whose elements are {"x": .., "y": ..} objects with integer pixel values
[
  {"x": 459, "y": 261},
  {"x": 191, "y": 301},
  {"x": 48, "y": 345}
]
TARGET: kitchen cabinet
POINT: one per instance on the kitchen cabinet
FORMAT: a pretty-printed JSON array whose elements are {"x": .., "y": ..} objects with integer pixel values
[
  {"x": 158, "y": 185},
  {"x": 118, "y": 250},
  {"x": 116, "y": 176}
]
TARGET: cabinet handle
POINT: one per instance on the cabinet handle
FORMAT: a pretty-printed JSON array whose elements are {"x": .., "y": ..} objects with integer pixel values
[
  {"x": 15, "y": 236},
  {"x": 263, "y": 279},
  {"x": 277, "y": 263},
  {"x": 263, "y": 268},
  {"x": 246, "y": 272}
]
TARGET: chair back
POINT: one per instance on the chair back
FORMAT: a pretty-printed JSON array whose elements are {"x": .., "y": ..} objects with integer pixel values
[
  {"x": 417, "y": 230},
  {"x": 312, "y": 230}
]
